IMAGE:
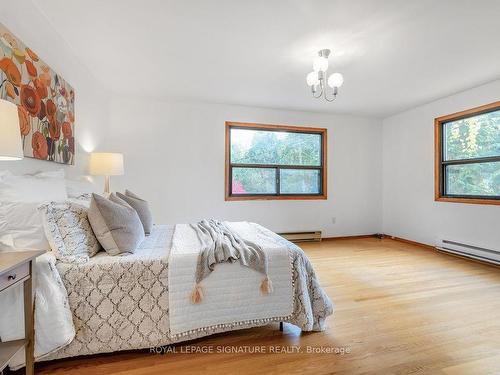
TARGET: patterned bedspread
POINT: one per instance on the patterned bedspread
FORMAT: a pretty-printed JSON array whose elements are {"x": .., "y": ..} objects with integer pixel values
[{"x": 121, "y": 303}]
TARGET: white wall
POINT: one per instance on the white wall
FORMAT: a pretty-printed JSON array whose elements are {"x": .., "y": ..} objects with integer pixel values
[
  {"x": 27, "y": 23},
  {"x": 409, "y": 209},
  {"x": 174, "y": 157}
]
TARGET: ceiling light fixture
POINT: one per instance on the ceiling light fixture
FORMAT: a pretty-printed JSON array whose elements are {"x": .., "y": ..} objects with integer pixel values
[{"x": 316, "y": 79}]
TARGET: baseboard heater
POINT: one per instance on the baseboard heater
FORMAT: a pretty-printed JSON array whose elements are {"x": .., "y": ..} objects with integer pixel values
[
  {"x": 470, "y": 251},
  {"x": 302, "y": 236}
]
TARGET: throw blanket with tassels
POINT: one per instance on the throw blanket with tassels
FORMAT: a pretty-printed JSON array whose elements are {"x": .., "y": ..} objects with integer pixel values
[
  {"x": 227, "y": 268},
  {"x": 219, "y": 245}
]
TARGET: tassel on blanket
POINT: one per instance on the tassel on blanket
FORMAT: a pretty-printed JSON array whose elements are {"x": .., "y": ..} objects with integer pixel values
[
  {"x": 266, "y": 287},
  {"x": 197, "y": 294}
]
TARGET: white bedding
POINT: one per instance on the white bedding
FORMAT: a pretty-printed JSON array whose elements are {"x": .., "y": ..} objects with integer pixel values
[{"x": 231, "y": 292}]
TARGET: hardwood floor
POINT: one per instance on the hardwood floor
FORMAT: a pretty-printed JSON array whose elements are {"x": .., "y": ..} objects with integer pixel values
[{"x": 400, "y": 309}]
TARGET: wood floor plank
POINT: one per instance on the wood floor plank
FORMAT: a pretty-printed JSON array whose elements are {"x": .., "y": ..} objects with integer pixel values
[
  {"x": 488, "y": 365},
  {"x": 400, "y": 309}
]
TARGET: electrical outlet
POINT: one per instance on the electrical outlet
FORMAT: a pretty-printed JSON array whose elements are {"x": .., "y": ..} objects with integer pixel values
[{"x": 334, "y": 219}]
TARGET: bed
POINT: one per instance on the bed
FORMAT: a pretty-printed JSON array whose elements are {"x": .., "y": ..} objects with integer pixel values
[
  {"x": 112, "y": 311},
  {"x": 93, "y": 302}
]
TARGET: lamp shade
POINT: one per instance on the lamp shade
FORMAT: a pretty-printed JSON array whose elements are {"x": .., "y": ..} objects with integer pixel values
[
  {"x": 106, "y": 164},
  {"x": 10, "y": 134}
]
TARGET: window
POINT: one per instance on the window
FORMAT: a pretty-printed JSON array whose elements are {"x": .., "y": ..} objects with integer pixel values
[
  {"x": 275, "y": 162},
  {"x": 467, "y": 156}
]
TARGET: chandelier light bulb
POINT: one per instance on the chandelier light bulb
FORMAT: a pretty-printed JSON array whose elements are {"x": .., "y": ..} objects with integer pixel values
[
  {"x": 320, "y": 64},
  {"x": 312, "y": 79},
  {"x": 317, "y": 79},
  {"x": 335, "y": 80}
]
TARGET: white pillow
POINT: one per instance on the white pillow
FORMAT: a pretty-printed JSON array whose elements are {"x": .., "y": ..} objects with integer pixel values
[
  {"x": 4, "y": 174},
  {"x": 68, "y": 231},
  {"x": 21, "y": 227},
  {"x": 58, "y": 173},
  {"x": 82, "y": 200},
  {"x": 77, "y": 188},
  {"x": 38, "y": 188}
]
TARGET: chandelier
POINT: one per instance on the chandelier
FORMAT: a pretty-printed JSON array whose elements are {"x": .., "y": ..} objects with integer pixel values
[{"x": 316, "y": 79}]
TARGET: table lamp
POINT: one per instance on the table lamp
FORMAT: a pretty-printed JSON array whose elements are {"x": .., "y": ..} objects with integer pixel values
[
  {"x": 106, "y": 164},
  {"x": 10, "y": 134}
]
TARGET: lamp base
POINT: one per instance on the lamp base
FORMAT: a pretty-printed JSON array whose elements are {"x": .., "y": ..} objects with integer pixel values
[{"x": 106, "y": 185}]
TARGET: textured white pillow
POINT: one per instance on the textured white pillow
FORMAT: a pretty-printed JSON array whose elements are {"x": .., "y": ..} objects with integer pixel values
[
  {"x": 82, "y": 200},
  {"x": 21, "y": 227},
  {"x": 68, "y": 231},
  {"x": 77, "y": 188},
  {"x": 41, "y": 187}
]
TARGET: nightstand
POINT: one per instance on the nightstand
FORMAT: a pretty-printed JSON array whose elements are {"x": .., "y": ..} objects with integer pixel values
[{"x": 16, "y": 268}]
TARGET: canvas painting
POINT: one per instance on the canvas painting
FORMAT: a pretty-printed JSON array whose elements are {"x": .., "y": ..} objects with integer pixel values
[{"x": 44, "y": 100}]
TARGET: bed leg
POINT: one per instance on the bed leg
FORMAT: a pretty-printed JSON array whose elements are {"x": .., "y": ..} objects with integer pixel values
[{"x": 281, "y": 326}]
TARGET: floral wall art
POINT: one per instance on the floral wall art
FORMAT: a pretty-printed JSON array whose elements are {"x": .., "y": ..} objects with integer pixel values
[{"x": 44, "y": 100}]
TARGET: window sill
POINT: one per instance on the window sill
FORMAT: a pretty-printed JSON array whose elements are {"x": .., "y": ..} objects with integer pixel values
[
  {"x": 275, "y": 197},
  {"x": 468, "y": 200}
]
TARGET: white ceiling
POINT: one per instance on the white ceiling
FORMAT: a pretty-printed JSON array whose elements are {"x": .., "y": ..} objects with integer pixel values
[{"x": 394, "y": 54}]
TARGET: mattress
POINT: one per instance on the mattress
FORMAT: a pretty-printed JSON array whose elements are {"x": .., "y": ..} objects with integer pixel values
[{"x": 121, "y": 302}]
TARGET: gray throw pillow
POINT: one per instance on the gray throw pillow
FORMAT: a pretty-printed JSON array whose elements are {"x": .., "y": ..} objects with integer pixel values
[
  {"x": 116, "y": 224},
  {"x": 142, "y": 208}
]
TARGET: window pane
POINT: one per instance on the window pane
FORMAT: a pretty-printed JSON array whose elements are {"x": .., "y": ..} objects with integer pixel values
[
  {"x": 254, "y": 181},
  {"x": 473, "y": 137},
  {"x": 473, "y": 179},
  {"x": 299, "y": 181},
  {"x": 275, "y": 147}
]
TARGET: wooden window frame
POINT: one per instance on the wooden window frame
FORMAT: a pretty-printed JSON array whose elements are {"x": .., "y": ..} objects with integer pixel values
[
  {"x": 440, "y": 164},
  {"x": 284, "y": 128}
]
